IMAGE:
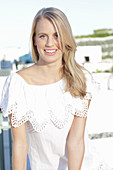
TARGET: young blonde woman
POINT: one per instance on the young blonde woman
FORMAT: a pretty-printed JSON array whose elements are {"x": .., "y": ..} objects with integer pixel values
[{"x": 48, "y": 102}]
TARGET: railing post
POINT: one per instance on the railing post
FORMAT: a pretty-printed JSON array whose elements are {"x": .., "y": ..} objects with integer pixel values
[
  {"x": 1, "y": 151},
  {"x": 11, "y": 146},
  {"x": 6, "y": 147}
]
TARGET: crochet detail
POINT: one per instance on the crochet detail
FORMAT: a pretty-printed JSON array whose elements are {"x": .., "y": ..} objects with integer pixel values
[
  {"x": 39, "y": 127},
  {"x": 61, "y": 123},
  {"x": 84, "y": 112},
  {"x": 17, "y": 121}
]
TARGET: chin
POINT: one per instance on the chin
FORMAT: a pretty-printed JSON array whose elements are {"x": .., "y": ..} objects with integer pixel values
[{"x": 50, "y": 60}]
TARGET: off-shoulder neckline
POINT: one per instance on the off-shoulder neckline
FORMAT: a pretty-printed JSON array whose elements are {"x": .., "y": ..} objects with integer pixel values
[{"x": 34, "y": 85}]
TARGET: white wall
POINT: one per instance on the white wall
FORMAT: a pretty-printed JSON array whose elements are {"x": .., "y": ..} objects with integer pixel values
[{"x": 94, "y": 53}]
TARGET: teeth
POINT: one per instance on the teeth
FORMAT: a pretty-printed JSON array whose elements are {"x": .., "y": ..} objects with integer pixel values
[{"x": 50, "y": 51}]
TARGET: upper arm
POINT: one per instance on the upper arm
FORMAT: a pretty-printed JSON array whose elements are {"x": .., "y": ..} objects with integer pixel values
[
  {"x": 19, "y": 134},
  {"x": 76, "y": 133}
]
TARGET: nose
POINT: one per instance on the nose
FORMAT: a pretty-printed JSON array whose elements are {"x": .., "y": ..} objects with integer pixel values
[{"x": 49, "y": 41}]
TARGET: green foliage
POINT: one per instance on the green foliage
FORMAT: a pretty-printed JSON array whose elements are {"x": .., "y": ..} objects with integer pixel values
[
  {"x": 98, "y": 71},
  {"x": 105, "y": 71},
  {"x": 95, "y": 35},
  {"x": 112, "y": 69},
  {"x": 98, "y": 33},
  {"x": 107, "y": 57}
]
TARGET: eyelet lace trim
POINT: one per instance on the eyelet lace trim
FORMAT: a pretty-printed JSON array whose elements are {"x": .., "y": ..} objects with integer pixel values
[
  {"x": 61, "y": 123},
  {"x": 39, "y": 127},
  {"x": 83, "y": 113},
  {"x": 30, "y": 116}
]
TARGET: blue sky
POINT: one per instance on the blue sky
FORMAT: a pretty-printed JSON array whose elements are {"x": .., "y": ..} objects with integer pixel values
[{"x": 16, "y": 17}]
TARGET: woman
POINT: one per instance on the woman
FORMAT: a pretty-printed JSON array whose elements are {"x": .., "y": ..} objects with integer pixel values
[{"x": 48, "y": 102}]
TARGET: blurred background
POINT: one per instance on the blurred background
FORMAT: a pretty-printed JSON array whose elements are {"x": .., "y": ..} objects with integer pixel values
[{"x": 92, "y": 28}]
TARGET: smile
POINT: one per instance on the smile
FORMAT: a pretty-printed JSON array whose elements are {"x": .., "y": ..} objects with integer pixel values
[{"x": 50, "y": 52}]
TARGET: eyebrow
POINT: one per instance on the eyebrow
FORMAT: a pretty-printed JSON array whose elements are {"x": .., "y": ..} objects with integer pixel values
[
  {"x": 41, "y": 33},
  {"x": 46, "y": 33}
]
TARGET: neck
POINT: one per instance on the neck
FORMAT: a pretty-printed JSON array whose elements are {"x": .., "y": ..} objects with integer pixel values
[{"x": 50, "y": 72}]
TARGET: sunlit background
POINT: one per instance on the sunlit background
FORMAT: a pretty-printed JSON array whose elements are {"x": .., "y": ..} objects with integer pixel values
[
  {"x": 85, "y": 16},
  {"x": 92, "y": 27}
]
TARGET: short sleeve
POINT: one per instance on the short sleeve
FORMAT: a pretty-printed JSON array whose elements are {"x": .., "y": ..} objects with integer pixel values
[
  {"x": 13, "y": 100},
  {"x": 90, "y": 86},
  {"x": 81, "y": 104}
]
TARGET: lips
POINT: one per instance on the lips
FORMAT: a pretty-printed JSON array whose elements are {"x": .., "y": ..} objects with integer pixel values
[{"x": 50, "y": 51}]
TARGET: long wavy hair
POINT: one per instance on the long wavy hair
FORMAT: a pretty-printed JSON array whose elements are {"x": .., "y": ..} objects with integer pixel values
[{"x": 72, "y": 72}]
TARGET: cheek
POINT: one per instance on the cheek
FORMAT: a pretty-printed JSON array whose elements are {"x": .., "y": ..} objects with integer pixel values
[{"x": 40, "y": 44}]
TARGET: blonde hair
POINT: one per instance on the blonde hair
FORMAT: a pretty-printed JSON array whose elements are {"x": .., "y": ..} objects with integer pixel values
[{"x": 72, "y": 71}]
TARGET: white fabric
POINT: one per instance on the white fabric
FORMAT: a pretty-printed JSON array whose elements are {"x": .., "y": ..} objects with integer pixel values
[{"x": 48, "y": 112}]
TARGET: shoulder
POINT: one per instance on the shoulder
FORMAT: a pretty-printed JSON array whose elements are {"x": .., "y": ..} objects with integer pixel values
[{"x": 27, "y": 73}]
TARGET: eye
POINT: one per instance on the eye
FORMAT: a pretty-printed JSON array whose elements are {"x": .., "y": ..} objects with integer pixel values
[
  {"x": 56, "y": 35},
  {"x": 42, "y": 36}
]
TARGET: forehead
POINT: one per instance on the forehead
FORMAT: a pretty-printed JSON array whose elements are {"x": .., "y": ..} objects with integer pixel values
[{"x": 45, "y": 25}]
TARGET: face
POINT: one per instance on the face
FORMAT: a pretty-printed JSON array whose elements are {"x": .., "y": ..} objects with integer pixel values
[{"x": 46, "y": 40}]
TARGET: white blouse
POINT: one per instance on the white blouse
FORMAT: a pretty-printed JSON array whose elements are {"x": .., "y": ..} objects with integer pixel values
[{"x": 48, "y": 112}]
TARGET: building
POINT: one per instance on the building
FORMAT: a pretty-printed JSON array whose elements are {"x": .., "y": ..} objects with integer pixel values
[
  {"x": 88, "y": 54},
  {"x": 12, "y": 53},
  {"x": 106, "y": 44}
]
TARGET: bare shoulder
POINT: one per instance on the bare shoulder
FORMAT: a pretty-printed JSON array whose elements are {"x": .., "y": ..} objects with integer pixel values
[{"x": 27, "y": 73}]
